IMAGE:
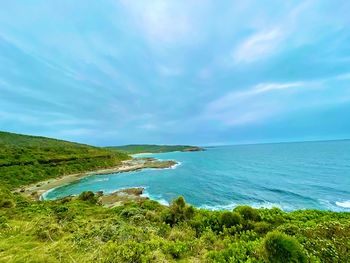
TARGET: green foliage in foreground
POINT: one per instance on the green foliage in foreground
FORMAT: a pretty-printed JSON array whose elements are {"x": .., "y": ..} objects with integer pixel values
[
  {"x": 150, "y": 148},
  {"x": 27, "y": 159},
  {"x": 80, "y": 230}
]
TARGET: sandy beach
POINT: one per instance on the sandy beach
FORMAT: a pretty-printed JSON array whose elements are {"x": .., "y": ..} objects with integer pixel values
[{"x": 36, "y": 190}]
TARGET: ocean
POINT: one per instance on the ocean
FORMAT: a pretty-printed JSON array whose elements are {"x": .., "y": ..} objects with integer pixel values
[{"x": 290, "y": 176}]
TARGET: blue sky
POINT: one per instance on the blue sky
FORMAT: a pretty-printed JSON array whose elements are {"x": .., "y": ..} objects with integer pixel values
[{"x": 203, "y": 72}]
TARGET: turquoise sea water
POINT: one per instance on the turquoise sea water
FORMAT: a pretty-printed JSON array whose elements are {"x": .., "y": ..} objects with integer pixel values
[{"x": 290, "y": 176}]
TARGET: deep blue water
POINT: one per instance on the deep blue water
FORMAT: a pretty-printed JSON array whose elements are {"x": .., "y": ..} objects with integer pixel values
[{"x": 290, "y": 176}]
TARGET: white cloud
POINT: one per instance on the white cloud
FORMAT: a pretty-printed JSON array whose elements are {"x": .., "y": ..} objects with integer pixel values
[
  {"x": 254, "y": 105},
  {"x": 266, "y": 100},
  {"x": 260, "y": 44},
  {"x": 269, "y": 39},
  {"x": 237, "y": 96}
]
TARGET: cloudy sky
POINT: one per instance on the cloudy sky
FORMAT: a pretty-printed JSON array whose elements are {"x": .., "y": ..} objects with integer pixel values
[{"x": 199, "y": 72}]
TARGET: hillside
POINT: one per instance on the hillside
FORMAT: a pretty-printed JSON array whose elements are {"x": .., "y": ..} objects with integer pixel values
[
  {"x": 27, "y": 159},
  {"x": 81, "y": 229},
  {"x": 151, "y": 148}
]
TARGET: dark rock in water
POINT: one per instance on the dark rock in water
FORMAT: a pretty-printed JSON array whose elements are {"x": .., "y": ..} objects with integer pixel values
[{"x": 133, "y": 191}]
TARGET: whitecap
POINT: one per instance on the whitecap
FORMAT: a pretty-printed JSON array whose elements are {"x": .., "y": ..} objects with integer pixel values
[
  {"x": 231, "y": 206},
  {"x": 43, "y": 196},
  {"x": 102, "y": 179},
  {"x": 174, "y": 166},
  {"x": 345, "y": 204},
  {"x": 155, "y": 198},
  {"x": 218, "y": 207}
]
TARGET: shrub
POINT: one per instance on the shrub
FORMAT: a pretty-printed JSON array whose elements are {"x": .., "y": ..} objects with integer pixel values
[
  {"x": 167, "y": 216},
  {"x": 150, "y": 205},
  {"x": 248, "y": 213},
  {"x": 177, "y": 209},
  {"x": 6, "y": 203},
  {"x": 176, "y": 248},
  {"x": 289, "y": 229},
  {"x": 189, "y": 212},
  {"x": 244, "y": 251},
  {"x": 152, "y": 216},
  {"x": 229, "y": 219},
  {"x": 88, "y": 196},
  {"x": 128, "y": 212},
  {"x": 130, "y": 251},
  {"x": 6, "y": 198},
  {"x": 262, "y": 227},
  {"x": 279, "y": 248},
  {"x": 178, "y": 205}
]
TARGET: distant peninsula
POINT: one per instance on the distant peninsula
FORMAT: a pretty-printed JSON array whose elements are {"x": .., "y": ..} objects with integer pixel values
[{"x": 152, "y": 148}]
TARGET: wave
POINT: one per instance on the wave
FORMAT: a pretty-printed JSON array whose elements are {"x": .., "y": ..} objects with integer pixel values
[
  {"x": 345, "y": 204},
  {"x": 231, "y": 206},
  {"x": 175, "y": 165},
  {"x": 43, "y": 196},
  {"x": 288, "y": 193},
  {"x": 101, "y": 180},
  {"x": 159, "y": 199}
]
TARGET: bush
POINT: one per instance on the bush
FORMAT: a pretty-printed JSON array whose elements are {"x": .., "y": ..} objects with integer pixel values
[
  {"x": 248, "y": 212},
  {"x": 176, "y": 248},
  {"x": 189, "y": 212},
  {"x": 152, "y": 216},
  {"x": 262, "y": 227},
  {"x": 178, "y": 205},
  {"x": 177, "y": 209},
  {"x": 128, "y": 212},
  {"x": 130, "y": 251},
  {"x": 151, "y": 205},
  {"x": 229, "y": 219},
  {"x": 88, "y": 196},
  {"x": 279, "y": 248},
  {"x": 289, "y": 229},
  {"x": 243, "y": 251},
  {"x": 6, "y": 203},
  {"x": 6, "y": 198}
]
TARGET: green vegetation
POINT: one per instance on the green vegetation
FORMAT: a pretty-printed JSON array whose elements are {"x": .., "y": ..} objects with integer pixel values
[
  {"x": 80, "y": 230},
  {"x": 149, "y": 148},
  {"x": 27, "y": 159}
]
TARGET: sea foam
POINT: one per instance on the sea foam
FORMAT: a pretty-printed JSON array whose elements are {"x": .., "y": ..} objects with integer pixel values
[{"x": 345, "y": 204}]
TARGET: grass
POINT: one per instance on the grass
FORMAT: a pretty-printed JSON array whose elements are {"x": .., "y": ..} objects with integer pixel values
[{"x": 80, "y": 230}]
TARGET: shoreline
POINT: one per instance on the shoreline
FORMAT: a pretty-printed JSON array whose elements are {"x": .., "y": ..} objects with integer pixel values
[{"x": 35, "y": 191}]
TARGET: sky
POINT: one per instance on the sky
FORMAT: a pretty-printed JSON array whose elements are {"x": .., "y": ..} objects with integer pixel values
[{"x": 200, "y": 72}]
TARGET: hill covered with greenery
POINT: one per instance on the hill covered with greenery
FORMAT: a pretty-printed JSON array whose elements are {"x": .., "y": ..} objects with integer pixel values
[
  {"x": 151, "y": 148},
  {"x": 80, "y": 229},
  {"x": 27, "y": 159}
]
